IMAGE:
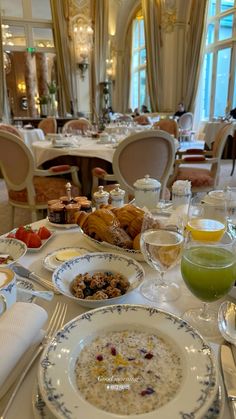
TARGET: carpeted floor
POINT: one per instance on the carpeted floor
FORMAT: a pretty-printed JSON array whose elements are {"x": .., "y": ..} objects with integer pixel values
[{"x": 23, "y": 216}]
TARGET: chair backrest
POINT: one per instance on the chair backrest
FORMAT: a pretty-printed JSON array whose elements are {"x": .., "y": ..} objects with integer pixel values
[
  {"x": 48, "y": 125},
  {"x": 148, "y": 152},
  {"x": 142, "y": 120},
  {"x": 168, "y": 125},
  {"x": 10, "y": 128},
  {"x": 81, "y": 124},
  {"x": 16, "y": 162},
  {"x": 218, "y": 147},
  {"x": 125, "y": 118},
  {"x": 186, "y": 121}
]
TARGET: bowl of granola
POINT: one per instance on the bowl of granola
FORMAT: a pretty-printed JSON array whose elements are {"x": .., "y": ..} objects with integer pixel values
[{"x": 98, "y": 279}]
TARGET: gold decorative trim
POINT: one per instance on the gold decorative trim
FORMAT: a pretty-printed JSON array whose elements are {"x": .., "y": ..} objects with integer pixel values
[{"x": 168, "y": 20}]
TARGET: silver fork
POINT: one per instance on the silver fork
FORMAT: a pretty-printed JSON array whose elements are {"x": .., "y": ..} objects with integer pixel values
[{"x": 56, "y": 322}]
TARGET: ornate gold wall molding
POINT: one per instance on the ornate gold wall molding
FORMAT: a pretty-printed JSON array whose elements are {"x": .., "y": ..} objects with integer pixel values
[
  {"x": 80, "y": 7},
  {"x": 169, "y": 15}
]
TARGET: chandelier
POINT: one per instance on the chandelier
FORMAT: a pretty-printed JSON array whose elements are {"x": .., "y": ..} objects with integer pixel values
[
  {"x": 6, "y": 35},
  {"x": 83, "y": 41}
]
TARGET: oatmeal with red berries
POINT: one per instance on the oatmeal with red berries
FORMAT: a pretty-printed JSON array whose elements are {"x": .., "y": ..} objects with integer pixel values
[{"x": 129, "y": 372}]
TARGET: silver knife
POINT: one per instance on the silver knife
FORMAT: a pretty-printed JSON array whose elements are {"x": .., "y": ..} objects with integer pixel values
[
  {"x": 229, "y": 376},
  {"x": 26, "y": 273}
]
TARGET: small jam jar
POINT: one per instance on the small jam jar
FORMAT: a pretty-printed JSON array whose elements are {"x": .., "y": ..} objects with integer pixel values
[
  {"x": 100, "y": 197},
  {"x": 117, "y": 196},
  {"x": 71, "y": 212},
  {"x": 56, "y": 213}
]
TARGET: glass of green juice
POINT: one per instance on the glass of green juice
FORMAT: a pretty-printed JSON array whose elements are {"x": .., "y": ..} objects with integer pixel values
[{"x": 209, "y": 271}]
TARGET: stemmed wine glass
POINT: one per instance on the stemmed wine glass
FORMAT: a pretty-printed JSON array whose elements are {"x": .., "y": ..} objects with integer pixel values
[
  {"x": 161, "y": 246},
  {"x": 208, "y": 270}
]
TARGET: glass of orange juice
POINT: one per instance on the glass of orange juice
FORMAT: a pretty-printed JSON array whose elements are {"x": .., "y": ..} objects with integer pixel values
[{"x": 206, "y": 223}]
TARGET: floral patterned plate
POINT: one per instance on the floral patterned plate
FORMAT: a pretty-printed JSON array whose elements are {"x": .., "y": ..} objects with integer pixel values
[{"x": 57, "y": 379}]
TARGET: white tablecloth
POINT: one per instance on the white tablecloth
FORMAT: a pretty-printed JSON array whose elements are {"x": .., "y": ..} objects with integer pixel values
[
  {"x": 22, "y": 406},
  {"x": 30, "y": 136},
  {"x": 82, "y": 146},
  {"x": 212, "y": 128}
]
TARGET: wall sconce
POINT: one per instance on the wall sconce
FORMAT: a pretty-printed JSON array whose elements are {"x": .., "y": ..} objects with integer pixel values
[
  {"x": 21, "y": 87},
  {"x": 83, "y": 67},
  {"x": 83, "y": 43}
]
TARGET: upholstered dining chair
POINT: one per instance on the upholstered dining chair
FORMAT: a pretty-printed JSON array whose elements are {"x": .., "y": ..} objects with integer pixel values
[
  {"x": 149, "y": 152},
  {"x": 142, "y": 120},
  {"x": 185, "y": 126},
  {"x": 81, "y": 124},
  {"x": 168, "y": 125},
  {"x": 10, "y": 128},
  {"x": 48, "y": 125},
  {"x": 191, "y": 164},
  {"x": 29, "y": 187}
]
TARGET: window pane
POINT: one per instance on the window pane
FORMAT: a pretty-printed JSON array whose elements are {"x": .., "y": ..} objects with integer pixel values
[
  {"x": 43, "y": 38},
  {"x": 212, "y": 8},
  {"x": 210, "y": 33},
  {"x": 12, "y": 8},
  {"x": 226, "y": 27},
  {"x": 222, "y": 81},
  {"x": 134, "y": 91},
  {"x": 207, "y": 77},
  {"x": 143, "y": 56},
  {"x": 135, "y": 60},
  {"x": 234, "y": 98},
  {"x": 142, "y": 87},
  {"x": 226, "y": 5},
  {"x": 41, "y": 9},
  {"x": 136, "y": 34},
  {"x": 142, "y": 36},
  {"x": 14, "y": 35}
]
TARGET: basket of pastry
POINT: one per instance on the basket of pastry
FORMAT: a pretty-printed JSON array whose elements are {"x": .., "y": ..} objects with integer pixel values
[{"x": 114, "y": 228}]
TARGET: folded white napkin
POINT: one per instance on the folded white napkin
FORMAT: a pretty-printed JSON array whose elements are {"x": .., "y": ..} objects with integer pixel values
[{"x": 20, "y": 328}]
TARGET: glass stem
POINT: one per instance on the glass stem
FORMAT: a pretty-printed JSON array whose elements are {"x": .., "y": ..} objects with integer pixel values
[
  {"x": 204, "y": 312},
  {"x": 161, "y": 281}
]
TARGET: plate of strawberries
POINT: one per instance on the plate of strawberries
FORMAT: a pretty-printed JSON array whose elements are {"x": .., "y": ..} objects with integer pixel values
[{"x": 34, "y": 239}]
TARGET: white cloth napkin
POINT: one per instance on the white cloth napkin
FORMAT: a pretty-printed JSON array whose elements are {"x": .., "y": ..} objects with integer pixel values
[{"x": 20, "y": 328}]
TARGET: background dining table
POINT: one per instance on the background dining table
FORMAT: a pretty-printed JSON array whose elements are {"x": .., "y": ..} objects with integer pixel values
[
  {"x": 23, "y": 403},
  {"x": 32, "y": 135}
]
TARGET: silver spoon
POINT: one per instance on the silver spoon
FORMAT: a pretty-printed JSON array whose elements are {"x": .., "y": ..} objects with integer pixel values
[
  {"x": 45, "y": 295},
  {"x": 227, "y": 321}
]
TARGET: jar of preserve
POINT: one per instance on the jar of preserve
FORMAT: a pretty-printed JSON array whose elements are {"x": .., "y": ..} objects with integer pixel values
[
  {"x": 117, "y": 196},
  {"x": 71, "y": 213},
  {"x": 56, "y": 213},
  {"x": 100, "y": 197}
]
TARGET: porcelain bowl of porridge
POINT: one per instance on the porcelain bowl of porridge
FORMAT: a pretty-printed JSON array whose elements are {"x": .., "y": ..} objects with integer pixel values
[
  {"x": 98, "y": 279},
  {"x": 128, "y": 360}
]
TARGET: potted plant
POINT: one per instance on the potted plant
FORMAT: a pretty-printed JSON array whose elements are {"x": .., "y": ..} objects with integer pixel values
[
  {"x": 43, "y": 102},
  {"x": 52, "y": 89}
]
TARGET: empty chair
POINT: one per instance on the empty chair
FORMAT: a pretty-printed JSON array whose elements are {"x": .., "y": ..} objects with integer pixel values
[
  {"x": 186, "y": 126},
  {"x": 48, "y": 125},
  {"x": 189, "y": 167},
  {"x": 147, "y": 152},
  {"x": 27, "y": 186},
  {"x": 168, "y": 125},
  {"x": 81, "y": 124},
  {"x": 142, "y": 120},
  {"x": 10, "y": 128}
]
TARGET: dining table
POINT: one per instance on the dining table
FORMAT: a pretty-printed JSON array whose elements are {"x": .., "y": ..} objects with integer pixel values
[
  {"x": 87, "y": 152},
  {"x": 32, "y": 135},
  {"x": 24, "y": 404}
]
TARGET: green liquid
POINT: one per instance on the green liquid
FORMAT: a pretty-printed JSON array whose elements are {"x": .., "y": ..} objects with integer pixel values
[{"x": 209, "y": 272}]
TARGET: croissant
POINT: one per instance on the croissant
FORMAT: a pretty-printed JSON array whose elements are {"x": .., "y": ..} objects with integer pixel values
[
  {"x": 127, "y": 213},
  {"x": 135, "y": 226},
  {"x": 118, "y": 237},
  {"x": 107, "y": 216}
]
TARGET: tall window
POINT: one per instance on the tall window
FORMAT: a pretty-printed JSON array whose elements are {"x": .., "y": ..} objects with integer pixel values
[
  {"x": 138, "y": 91},
  {"x": 218, "y": 79}
]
